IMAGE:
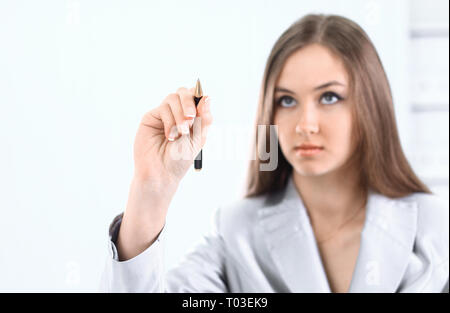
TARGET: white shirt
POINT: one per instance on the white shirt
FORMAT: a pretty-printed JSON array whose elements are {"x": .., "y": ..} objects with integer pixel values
[{"x": 267, "y": 244}]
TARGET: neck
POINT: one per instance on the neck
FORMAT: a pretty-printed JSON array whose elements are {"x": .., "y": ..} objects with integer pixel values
[{"x": 331, "y": 198}]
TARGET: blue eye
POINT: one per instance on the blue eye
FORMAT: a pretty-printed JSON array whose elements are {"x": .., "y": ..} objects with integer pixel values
[
  {"x": 288, "y": 104},
  {"x": 330, "y": 98}
]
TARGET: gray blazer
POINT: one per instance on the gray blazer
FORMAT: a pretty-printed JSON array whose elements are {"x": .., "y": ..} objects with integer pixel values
[{"x": 266, "y": 244}]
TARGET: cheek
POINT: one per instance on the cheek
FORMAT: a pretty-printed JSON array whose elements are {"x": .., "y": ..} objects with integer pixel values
[
  {"x": 339, "y": 133},
  {"x": 284, "y": 127}
]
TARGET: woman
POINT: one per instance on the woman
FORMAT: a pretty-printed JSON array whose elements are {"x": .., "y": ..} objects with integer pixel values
[{"x": 342, "y": 211}]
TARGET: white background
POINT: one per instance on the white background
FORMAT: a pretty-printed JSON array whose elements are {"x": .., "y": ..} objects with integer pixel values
[{"x": 76, "y": 76}]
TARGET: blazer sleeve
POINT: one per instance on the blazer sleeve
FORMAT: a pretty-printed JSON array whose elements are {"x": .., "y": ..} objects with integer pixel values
[{"x": 202, "y": 269}]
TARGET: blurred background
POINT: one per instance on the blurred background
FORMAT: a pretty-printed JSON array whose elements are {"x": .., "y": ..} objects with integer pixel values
[{"x": 76, "y": 76}]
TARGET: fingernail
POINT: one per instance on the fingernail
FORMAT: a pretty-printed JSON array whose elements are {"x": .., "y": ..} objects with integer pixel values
[
  {"x": 190, "y": 112},
  {"x": 184, "y": 128},
  {"x": 191, "y": 122},
  {"x": 173, "y": 134}
]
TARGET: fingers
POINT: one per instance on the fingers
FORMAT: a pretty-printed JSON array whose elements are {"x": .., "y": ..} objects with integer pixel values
[
  {"x": 187, "y": 102},
  {"x": 204, "y": 111},
  {"x": 178, "y": 114},
  {"x": 170, "y": 128},
  {"x": 183, "y": 109},
  {"x": 161, "y": 119}
]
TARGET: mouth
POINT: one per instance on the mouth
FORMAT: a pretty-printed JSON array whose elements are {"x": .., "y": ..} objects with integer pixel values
[{"x": 308, "y": 150}]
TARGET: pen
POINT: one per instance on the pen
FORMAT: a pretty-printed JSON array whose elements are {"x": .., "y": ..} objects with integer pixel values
[{"x": 197, "y": 97}]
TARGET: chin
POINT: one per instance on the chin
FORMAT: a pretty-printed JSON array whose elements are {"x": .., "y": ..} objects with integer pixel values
[
  {"x": 311, "y": 169},
  {"x": 308, "y": 172}
]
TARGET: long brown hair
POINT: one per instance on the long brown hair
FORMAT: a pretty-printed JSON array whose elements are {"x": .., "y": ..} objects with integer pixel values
[{"x": 383, "y": 165}]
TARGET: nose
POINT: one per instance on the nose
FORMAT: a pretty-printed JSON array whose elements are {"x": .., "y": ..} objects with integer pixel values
[{"x": 308, "y": 122}]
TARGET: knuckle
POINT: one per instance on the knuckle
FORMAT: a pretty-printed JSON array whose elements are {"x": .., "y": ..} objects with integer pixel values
[
  {"x": 173, "y": 97},
  {"x": 186, "y": 97},
  {"x": 164, "y": 106}
]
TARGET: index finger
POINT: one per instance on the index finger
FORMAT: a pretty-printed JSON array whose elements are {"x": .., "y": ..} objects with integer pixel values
[{"x": 187, "y": 102}]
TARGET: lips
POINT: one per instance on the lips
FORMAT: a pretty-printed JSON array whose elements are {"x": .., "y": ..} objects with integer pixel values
[
  {"x": 308, "y": 150},
  {"x": 308, "y": 146}
]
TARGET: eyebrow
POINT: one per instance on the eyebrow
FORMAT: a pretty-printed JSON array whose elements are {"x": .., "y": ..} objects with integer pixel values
[{"x": 333, "y": 82}]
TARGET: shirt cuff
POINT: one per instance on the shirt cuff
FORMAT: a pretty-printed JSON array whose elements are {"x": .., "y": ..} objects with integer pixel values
[{"x": 114, "y": 232}]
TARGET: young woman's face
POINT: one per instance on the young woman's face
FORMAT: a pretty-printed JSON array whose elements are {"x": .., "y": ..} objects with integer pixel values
[{"x": 312, "y": 107}]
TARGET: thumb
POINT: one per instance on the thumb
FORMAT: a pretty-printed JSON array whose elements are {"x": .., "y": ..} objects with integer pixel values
[{"x": 202, "y": 122}]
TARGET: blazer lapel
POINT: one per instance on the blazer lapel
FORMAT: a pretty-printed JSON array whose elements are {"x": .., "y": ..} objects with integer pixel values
[
  {"x": 291, "y": 243},
  {"x": 386, "y": 243}
]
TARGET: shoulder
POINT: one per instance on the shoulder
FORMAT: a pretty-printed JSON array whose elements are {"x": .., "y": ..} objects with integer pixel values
[{"x": 432, "y": 213}]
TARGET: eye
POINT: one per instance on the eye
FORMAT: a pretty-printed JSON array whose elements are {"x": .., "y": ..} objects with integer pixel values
[
  {"x": 287, "y": 104},
  {"x": 330, "y": 98}
]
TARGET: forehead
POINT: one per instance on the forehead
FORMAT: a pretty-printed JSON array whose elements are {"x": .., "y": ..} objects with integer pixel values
[{"x": 311, "y": 66}]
